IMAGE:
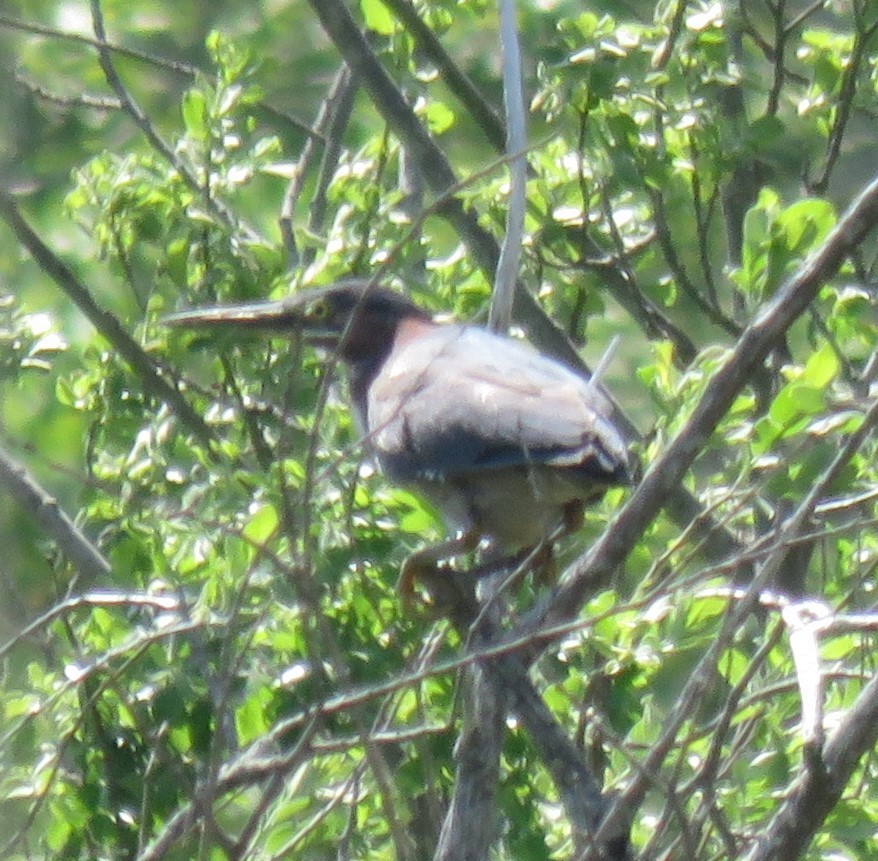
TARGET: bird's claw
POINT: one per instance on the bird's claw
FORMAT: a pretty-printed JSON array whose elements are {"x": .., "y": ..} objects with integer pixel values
[{"x": 430, "y": 587}]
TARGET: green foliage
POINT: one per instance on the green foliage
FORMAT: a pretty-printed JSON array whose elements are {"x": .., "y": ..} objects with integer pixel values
[{"x": 681, "y": 170}]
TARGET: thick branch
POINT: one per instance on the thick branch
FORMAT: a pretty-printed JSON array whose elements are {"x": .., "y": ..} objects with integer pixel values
[
  {"x": 578, "y": 788},
  {"x": 471, "y": 825},
  {"x": 665, "y": 474},
  {"x": 818, "y": 790}
]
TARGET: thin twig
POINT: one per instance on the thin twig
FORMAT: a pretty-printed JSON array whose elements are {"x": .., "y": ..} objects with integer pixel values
[
  {"x": 325, "y": 112},
  {"x": 844, "y": 107},
  {"x": 178, "y": 67},
  {"x": 83, "y": 100},
  {"x": 332, "y": 152},
  {"x": 150, "y": 132}
]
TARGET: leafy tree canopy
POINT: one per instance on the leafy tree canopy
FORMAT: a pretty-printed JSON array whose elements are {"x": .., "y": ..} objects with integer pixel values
[{"x": 204, "y": 652}]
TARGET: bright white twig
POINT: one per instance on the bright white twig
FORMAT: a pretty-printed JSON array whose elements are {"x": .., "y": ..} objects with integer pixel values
[
  {"x": 604, "y": 362},
  {"x": 805, "y": 620},
  {"x": 516, "y": 146}
]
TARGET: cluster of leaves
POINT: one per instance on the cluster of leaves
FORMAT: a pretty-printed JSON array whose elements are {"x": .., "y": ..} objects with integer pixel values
[{"x": 248, "y": 666}]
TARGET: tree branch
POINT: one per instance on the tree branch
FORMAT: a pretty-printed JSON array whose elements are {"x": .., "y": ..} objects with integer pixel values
[
  {"x": 340, "y": 96},
  {"x": 187, "y": 70},
  {"x": 480, "y": 109},
  {"x": 51, "y": 518},
  {"x": 103, "y": 320},
  {"x": 665, "y": 474},
  {"x": 506, "y": 278},
  {"x": 817, "y": 790},
  {"x": 471, "y": 825}
]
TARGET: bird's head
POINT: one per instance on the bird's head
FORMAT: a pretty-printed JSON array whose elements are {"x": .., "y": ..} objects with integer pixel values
[{"x": 354, "y": 317}]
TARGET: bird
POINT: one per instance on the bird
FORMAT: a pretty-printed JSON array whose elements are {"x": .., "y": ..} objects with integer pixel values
[{"x": 507, "y": 443}]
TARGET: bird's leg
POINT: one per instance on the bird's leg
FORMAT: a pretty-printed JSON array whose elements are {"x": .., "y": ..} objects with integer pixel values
[
  {"x": 422, "y": 567},
  {"x": 545, "y": 566},
  {"x": 540, "y": 558}
]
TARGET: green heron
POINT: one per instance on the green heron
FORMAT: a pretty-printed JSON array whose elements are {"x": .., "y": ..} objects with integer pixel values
[{"x": 508, "y": 444}]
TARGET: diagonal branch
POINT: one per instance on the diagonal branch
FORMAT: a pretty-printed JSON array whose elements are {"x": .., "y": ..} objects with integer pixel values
[
  {"x": 339, "y": 99},
  {"x": 481, "y": 110},
  {"x": 105, "y": 322},
  {"x": 817, "y": 791},
  {"x": 53, "y": 520},
  {"x": 665, "y": 474}
]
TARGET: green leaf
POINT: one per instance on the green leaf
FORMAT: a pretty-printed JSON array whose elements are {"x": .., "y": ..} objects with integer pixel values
[
  {"x": 794, "y": 401},
  {"x": 262, "y": 524},
  {"x": 195, "y": 114},
  {"x": 821, "y": 368},
  {"x": 251, "y": 716},
  {"x": 378, "y": 17},
  {"x": 439, "y": 117},
  {"x": 806, "y": 223}
]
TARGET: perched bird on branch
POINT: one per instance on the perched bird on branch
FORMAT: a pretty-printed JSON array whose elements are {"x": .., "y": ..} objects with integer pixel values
[{"x": 508, "y": 444}]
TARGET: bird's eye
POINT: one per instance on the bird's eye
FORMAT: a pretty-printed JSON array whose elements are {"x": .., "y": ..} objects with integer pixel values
[{"x": 318, "y": 311}]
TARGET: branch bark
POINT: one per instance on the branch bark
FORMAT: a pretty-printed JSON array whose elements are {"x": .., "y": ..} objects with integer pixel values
[
  {"x": 471, "y": 825},
  {"x": 818, "y": 790}
]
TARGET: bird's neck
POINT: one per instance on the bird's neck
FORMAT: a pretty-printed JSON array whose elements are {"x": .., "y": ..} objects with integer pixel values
[
  {"x": 409, "y": 329},
  {"x": 367, "y": 365}
]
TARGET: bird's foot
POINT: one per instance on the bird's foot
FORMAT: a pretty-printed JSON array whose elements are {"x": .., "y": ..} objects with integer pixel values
[{"x": 445, "y": 588}]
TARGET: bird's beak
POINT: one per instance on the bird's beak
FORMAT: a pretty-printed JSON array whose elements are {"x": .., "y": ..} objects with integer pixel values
[
  {"x": 279, "y": 316},
  {"x": 284, "y": 317}
]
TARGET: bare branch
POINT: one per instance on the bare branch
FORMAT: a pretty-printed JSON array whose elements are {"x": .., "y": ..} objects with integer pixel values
[
  {"x": 341, "y": 94},
  {"x": 82, "y": 100},
  {"x": 818, "y": 790},
  {"x": 51, "y": 518},
  {"x": 798, "y": 617},
  {"x": 341, "y": 115},
  {"x": 846, "y": 99},
  {"x": 513, "y": 98}
]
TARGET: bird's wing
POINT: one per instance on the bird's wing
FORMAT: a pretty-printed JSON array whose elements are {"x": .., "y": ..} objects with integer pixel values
[{"x": 461, "y": 399}]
